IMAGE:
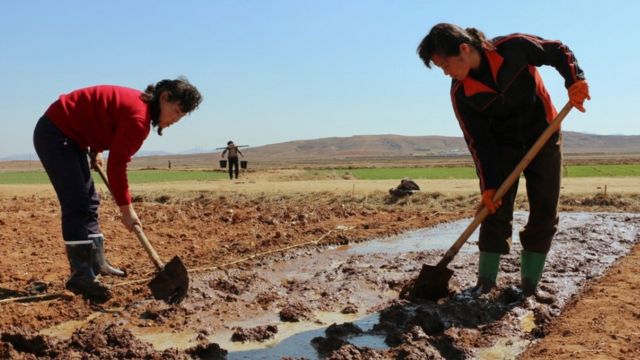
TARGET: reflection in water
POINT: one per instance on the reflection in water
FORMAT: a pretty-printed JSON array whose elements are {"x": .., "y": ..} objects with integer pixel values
[
  {"x": 299, "y": 345},
  {"x": 66, "y": 329},
  {"x": 435, "y": 238}
]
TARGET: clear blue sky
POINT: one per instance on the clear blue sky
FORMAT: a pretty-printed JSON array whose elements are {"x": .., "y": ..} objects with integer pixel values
[{"x": 280, "y": 70}]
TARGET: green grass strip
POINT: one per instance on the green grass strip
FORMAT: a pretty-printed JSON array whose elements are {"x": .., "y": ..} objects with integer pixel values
[
  {"x": 629, "y": 170},
  {"x": 135, "y": 176},
  {"x": 151, "y": 176},
  {"x": 414, "y": 173},
  {"x": 601, "y": 170}
]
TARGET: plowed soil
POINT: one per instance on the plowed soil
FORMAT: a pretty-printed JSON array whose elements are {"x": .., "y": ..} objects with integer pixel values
[{"x": 221, "y": 237}]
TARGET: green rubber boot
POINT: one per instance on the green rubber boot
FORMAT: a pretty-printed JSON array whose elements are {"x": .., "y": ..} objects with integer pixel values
[
  {"x": 532, "y": 264},
  {"x": 487, "y": 272}
]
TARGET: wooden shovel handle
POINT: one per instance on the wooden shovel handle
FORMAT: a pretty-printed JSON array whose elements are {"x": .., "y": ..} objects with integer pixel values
[
  {"x": 137, "y": 229},
  {"x": 506, "y": 185}
]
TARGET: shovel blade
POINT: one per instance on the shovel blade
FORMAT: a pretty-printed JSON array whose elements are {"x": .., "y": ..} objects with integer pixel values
[
  {"x": 171, "y": 283},
  {"x": 432, "y": 283}
]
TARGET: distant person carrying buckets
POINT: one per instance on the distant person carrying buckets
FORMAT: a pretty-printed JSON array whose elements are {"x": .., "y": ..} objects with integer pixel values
[{"x": 232, "y": 158}]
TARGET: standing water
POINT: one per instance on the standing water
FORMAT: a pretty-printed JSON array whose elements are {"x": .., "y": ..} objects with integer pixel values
[{"x": 359, "y": 284}]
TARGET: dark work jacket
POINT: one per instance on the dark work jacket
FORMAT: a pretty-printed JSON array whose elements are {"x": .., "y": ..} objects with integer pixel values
[{"x": 504, "y": 103}]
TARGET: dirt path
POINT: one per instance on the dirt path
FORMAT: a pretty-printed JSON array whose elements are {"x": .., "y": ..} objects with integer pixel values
[
  {"x": 284, "y": 182},
  {"x": 602, "y": 323},
  {"x": 237, "y": 221}
]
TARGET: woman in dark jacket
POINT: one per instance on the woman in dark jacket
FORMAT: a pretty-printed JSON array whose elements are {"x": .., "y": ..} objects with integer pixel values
[
  {"x": 69, "y": 140},
  {"x": 502, "y": 107}
]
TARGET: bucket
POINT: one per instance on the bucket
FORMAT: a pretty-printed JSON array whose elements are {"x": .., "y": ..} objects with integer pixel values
[
  {"x": 223, "y": 163},
  {"x": 243, "y": 164}
]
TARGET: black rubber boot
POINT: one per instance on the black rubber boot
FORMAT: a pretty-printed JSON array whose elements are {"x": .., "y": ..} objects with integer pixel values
[
  {"x": 100, "y": 264},
  {"x": 83, "y": 279}
]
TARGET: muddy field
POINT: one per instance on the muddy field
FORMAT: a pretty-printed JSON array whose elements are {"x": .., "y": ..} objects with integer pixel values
[{"x": 298, "y": 276}]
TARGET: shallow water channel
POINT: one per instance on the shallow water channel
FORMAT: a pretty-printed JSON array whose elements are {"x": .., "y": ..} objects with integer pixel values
[{"x": 364, "y": 278}]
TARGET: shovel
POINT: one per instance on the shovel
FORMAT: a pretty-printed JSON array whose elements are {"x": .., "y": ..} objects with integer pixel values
[
  {"x": 172, "y": 280},
  {"x": 433, "y": 281}
]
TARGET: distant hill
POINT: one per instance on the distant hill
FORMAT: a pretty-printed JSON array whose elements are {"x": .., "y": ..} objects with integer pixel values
[
  {"x": 375, "y": 146},
  {"x": 579, "y": 143},
  {"x": 361, "y": 146}
]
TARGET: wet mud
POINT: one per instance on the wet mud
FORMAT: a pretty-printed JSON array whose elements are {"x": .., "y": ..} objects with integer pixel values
[
  {"x": 336, "y": 299},
  {"x": 502, "y": 321},
  {"x": 94, "y": 341}
]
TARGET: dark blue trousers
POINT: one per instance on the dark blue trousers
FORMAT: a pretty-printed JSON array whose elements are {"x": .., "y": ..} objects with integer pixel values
[{"x": 67, "y": 165}]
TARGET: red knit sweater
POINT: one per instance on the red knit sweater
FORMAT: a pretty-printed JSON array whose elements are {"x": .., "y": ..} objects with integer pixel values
[{"x": 102, "y": 118}]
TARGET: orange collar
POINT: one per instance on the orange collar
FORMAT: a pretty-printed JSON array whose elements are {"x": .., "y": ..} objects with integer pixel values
[
  {"x": 495, "y": 62},
  {"x": 472, "y": 86}
]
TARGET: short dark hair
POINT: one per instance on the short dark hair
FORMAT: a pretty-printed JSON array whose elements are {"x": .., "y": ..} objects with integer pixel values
[
  {"x": 179, "y": 90},
  {"x": 444, "y": 39}
]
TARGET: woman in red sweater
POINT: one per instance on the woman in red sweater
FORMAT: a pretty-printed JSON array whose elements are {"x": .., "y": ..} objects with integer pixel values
[{"x": 69, "y": 140}]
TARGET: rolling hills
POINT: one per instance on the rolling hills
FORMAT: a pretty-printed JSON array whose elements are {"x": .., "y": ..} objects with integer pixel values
[{"x": 377, "y": 146}]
